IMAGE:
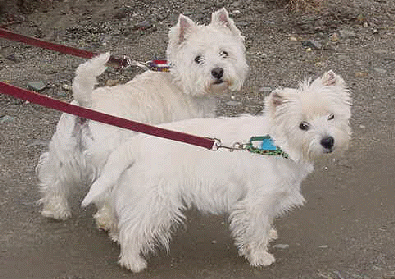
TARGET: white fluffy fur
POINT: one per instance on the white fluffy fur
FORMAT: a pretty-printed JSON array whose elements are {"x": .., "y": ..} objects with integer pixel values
[
  {"x": 79, "y": 148},
  {"x": 153, "y": 180}
]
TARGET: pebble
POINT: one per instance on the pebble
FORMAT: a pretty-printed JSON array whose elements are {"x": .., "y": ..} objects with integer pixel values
[
  {"x": 36, "y": 85},
  {"x": 334, "y": 37},
  {"x": 6, "y": 119},
  {"x": 347, "y": 34},
  {"x": 361, "y": 74},
  {"x": 281, "y": 246},
  {"x": 38, "y": 143},
  {"x": 233, "y": 103},
  {"x": 380, "y": 70},
  {"x": 267, "y": 89},
  {"x": 66, "y": 87},
  {"x": 312, "y": 44},
  {"x": 112, "y": 82},
  {"x": 143, "y": 25}
]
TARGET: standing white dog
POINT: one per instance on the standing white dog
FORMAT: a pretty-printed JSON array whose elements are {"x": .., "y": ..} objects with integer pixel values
[
  {"x": 205, "y": 61},
  {"x": 152, "y": 180}
]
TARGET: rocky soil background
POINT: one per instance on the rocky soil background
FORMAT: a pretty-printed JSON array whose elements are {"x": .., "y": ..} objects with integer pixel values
[{"x": 347, "y": 227}]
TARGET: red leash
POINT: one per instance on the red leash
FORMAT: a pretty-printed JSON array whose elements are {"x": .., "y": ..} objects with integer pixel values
[
  {"x": 48, "y": 102},
  {"x": 47, "y": 45},
  {"x": 112, "y": 62}
]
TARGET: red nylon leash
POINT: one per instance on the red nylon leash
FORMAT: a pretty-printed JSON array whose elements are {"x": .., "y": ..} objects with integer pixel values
[
  {"x": 47, "y": 45},
  {"x": 112, "y": 62},
  {"x": 48, "y": 102}
]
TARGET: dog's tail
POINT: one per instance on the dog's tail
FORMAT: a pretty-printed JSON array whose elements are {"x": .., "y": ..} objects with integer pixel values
[
  {"x": 119, "y": 161},
  {"x": 85, "y": 80}
]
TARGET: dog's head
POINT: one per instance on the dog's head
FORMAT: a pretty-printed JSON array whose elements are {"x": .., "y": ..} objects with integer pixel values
[
  {"x": 313, "y": 119},
  {"x": 207, "y": 59}
]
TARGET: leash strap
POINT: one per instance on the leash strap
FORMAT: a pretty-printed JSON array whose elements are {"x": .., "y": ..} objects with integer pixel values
[
  {"x": 43, "y": 44},
  {"x": 113, "y": 61},
  {"x": 48, "y": 102}
]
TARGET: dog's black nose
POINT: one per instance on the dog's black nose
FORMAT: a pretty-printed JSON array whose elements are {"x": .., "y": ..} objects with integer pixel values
[
  {"x": 217, "y": 73},
  {"x": 328, "y": 142}
]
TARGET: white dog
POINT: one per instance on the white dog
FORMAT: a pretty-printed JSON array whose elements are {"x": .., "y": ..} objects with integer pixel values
[
  {"x": 205, "y": 61},
  {"x": 153, "y": 180}
]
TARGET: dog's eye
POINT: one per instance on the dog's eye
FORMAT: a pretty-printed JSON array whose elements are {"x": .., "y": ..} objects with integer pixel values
[
  {"x": 224, "y": 54},
  {"x": 331, "y": 116},
  {"x": 198, "y": 59},
  {"x": 304, "y": 126}
]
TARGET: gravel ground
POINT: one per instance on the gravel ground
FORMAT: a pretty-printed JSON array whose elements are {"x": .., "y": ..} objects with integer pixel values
[{"x": 346, "y": 229}]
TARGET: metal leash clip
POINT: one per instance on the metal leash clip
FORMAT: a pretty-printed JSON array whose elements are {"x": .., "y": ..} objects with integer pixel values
[{"x": 235, "y": 146}]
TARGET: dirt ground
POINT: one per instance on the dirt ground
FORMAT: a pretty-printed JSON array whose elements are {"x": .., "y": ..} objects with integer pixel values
[{"x": 346, "y": 228}]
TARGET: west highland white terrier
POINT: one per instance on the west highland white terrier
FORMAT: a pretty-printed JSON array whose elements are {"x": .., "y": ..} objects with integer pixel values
[
  {"x": 205, "y": 61},
  {"x": 153, "y": 180}
]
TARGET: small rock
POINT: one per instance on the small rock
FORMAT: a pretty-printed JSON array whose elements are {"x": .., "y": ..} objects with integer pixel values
[
  {"x": 242, "y": 23},
  {"x": 366, "y": 24},
  {"x": 6, "y": 119},
  {"x": 112, "y": 82},
  {"x": 265, "y": 89},
  {"x": 236, "y": 12},
  {"x": 281, "y": 246},
  {"x": 311, "y": 44},
  {"x": 343, "y": 56},
  {"x": 361, "y": 18},
  {"x": 335, "y": 37},
  {"x": 380, "y": 70},
  {"x": 375, "y": 31},
  {"x": 233, "y": 103},
  {"x": 361, "y": 74},
  {"x": 66, "y": 87},
  {"x": 36, "y": 85},
  {"x": 13, "y": 58},
  {"x": 362, "y": 126},
  {"x": 293, "y": 39},
  {"x": 38, "y": 143},
  {"x": 347, "y": 34},
  {"x": 143, "y": 25},
  {"x": 380, "y": 51},
  {"x": 323, "y": 246}
]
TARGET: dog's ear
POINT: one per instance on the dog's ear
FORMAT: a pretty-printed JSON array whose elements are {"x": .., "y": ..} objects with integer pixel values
[
  {"x": 178, "y": 33},
  {"x": 331, "y": 79},
  {"x": 221, "y": 18}
]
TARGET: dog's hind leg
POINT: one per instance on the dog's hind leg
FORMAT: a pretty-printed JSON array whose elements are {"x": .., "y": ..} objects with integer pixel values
[
  {"x": 60, "y": 168},
  {"x": 144, "y": 225}
]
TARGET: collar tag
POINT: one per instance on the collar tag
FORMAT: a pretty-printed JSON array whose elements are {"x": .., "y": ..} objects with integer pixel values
[{"x": 263, "y": 143}]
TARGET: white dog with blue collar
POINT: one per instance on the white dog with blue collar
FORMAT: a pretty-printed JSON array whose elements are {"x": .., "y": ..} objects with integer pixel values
[{"x": 151, "y": 181}]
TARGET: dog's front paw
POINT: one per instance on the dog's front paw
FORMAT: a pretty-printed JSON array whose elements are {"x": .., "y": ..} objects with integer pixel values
[
  {"x": 114, "y": 235},
  {"x": 104, "y": 220},
  {"x": 57, "y": 209},
  {"x": 260, "y": 258},
  {"x": 273, "y": 234},
  {"x": 135, "y": 264}
]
